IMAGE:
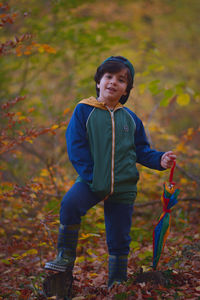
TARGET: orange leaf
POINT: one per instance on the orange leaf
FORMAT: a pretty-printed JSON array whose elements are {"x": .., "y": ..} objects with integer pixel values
[
  {"x": 54, "y": 127},
  {"x": 27, "y": 52},
  {"x": 30, "y": 110},
  {"x": 66, "y": 111}
]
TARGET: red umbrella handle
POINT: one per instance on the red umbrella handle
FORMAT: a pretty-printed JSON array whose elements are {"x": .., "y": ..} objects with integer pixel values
[{"x": 172, "y": 173}]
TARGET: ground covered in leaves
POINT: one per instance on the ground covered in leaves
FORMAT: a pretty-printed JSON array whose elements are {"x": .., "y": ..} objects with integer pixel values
[{"x": 28, "y": 244}]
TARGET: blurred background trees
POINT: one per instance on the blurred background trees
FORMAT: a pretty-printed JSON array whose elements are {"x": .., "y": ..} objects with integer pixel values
[{"x": 57, "y": 46}]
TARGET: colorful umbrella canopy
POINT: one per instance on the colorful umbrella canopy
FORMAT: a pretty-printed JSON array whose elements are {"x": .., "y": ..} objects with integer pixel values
[{"x": 161, "y": 230}]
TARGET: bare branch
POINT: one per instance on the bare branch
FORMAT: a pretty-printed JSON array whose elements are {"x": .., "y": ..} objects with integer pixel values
[{"x": 192, "y": 177}]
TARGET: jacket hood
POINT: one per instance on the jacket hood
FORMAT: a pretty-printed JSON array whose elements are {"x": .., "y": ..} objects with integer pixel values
[{"x": 92, "y": 101}]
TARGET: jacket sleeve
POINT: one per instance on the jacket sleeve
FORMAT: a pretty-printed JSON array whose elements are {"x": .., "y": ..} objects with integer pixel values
[
  {"x": 77, "y": 144},
  {"x": 145, "y": 155}
]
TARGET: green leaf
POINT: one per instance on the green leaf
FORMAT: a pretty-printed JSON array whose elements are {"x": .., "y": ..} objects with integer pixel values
[
  {"x": 121, "y": 296},
  {"x": 146, "y": 254},
  {"x": 179, "y": 87},
  {"x": 5, "y": 261},
  {"x": 164, "y": 102},
  {"x": 100, "y": 226},
  {"x": 134, "y": 245},
  {"x": 16, "y": 255},
  {"x": 167, "y": 96},
  {"x": 153, "y": 87}
]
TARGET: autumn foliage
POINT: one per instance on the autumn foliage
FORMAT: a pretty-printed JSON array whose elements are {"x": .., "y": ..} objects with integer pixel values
[{"x": 42, "y": 53}]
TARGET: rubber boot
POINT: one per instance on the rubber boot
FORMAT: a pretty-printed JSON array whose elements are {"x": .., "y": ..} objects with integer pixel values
[
  {"x": 67, "y": 243},
  {"x": 117, "y": 269}
]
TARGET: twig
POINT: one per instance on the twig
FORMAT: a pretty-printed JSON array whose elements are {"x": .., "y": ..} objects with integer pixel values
[
  {"x": 49, "y": 234},
  {"x": 52, "y": 178},
  {"x": 194, "y": 178}
]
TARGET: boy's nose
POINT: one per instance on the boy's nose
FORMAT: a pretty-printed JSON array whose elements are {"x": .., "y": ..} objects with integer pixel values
[{"x": 113, "y": 80}]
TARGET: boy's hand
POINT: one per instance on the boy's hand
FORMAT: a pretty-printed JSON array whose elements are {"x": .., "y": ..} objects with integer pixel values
[{"x": 167, "y": 159}]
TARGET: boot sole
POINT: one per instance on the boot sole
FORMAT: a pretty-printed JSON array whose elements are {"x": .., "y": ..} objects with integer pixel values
[{"x": 57, "y": 268}]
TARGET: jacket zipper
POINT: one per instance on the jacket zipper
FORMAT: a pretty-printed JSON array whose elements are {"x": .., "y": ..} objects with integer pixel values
[{"x": 113, "y": 151}]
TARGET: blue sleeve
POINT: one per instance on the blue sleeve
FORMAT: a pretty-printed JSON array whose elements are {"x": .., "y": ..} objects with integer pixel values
[
  {"x": 145, "y": 155},
  {"x": 77, "y": 142}
]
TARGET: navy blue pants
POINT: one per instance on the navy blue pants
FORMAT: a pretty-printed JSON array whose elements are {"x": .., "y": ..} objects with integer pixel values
[{"x": 118, "y": 216}]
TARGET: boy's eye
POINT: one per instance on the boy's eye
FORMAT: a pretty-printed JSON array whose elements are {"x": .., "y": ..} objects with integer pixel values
[{"x": 122, "y": 80}]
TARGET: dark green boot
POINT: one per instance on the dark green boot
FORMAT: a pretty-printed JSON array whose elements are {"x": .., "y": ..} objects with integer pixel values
[
  {"x": 117, "y": 269},
  {"x": 67, "y": 242},
  {"x": 63, "y": 261}
]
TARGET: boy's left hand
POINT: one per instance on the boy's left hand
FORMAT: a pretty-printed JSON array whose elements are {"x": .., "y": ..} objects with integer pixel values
[{"x": 167, "y": 159}]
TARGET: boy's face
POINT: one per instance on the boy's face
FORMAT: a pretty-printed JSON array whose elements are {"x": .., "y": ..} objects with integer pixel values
[{"x": 112, "y": 86}]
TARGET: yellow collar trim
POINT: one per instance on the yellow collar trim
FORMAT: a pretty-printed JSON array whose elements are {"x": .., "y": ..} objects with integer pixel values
[{"x": 95, "y": 103}]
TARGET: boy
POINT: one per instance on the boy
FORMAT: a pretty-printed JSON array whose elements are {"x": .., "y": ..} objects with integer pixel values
[{"x": 104, "y": 142}]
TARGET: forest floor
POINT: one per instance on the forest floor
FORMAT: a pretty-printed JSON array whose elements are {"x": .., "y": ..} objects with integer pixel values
[{"x": 26, "y": 246}]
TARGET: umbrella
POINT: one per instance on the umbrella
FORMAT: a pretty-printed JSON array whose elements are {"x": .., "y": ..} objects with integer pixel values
[{"x": 162, "y": 228}]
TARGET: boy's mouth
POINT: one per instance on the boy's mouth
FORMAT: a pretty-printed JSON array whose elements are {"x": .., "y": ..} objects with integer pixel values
[{"x": 111, "y": 89}]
